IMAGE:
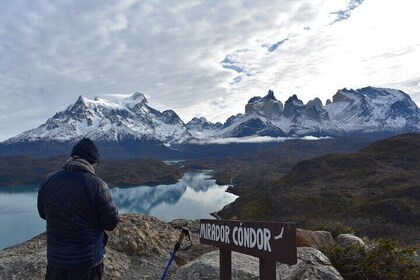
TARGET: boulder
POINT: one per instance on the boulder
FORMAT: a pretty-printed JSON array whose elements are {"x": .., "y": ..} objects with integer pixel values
[
  {"x": 315, "y": 239},
  {"x": 193, "y": 226},
  {"x": 207, "y": 267},
  {"x": 142, "y": 235},
  {"x": 311, "y": 264},
  {"x": 344, "y": 240}
]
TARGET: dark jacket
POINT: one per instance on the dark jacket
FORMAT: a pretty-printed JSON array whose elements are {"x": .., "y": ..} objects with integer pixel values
[{"x": 78, "y": 208}]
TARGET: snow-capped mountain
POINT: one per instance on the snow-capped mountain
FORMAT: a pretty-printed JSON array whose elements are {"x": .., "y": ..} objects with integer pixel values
[
  {"x": 266, "y": 116},
  {"x": 372, "y": 109},
  {"x": 201, "y": 128},
  {"x": 366, "y": 110},
  {"x": 130, "y": 127},
  {"x": 99, "y": 119}
]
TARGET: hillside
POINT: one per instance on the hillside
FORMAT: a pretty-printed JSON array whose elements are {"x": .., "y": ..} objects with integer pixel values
[
  {"x": 31, "y": 171},
  {"x": 376, "y": 191},
  {"x": 247, "y": 170}
]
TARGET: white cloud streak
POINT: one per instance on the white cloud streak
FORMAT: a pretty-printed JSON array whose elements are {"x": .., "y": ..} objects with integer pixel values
[
  {"x": 53, "y": 51},
  {"x": 254, "y": 139}
]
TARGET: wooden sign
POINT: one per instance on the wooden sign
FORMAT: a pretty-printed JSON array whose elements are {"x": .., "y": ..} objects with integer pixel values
[{"x": 266, "y": 240}]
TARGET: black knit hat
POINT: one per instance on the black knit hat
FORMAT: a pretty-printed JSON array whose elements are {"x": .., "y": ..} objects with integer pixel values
[{"x": 87, "y": 150}]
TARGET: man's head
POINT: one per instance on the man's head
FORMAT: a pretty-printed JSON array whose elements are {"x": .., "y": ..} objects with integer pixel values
[{"x": 87, "y": 150}]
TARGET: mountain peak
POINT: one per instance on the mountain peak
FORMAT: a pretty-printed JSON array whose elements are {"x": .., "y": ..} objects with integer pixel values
[
  {"x": 267, "y": 106},
  {"x": 345, "y": 95},
  {"x": 105, "y": 120},
  {"x": 198, "y": 120},
  {"x": 258, "y": 99},
  {"x": 316, "y": 102},
  {"x": 270, "y": 95},
  {"x": 137, "y": 97},
  {"x": 293, "y": 106},
  {"x": 81, "y": 104},
  {"x": 82, "y": 99},
  {"x": 295, "y": 100}
]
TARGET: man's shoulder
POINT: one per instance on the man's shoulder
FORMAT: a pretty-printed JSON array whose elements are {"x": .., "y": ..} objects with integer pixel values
[
  {"x": 51, "y": 175},
  {"x": 93, "y": 179}
]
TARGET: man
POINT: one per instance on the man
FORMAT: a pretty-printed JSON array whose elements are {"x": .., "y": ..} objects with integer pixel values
[{"x": 78, "y": 208}]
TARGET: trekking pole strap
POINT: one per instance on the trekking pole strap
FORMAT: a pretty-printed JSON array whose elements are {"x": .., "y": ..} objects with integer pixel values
[{"x": 185, "y": 232}]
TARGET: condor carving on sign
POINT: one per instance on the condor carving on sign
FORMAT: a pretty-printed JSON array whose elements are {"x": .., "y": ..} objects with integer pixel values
[{"x": 268, "y": 240}]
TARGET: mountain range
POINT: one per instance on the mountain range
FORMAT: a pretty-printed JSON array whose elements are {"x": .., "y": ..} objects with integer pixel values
[{"x": 131, "y": 124}]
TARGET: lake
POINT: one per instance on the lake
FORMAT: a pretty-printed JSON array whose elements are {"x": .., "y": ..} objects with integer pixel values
[{"x": 194, "y": 196}]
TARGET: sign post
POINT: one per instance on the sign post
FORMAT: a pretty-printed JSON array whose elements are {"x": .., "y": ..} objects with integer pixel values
[
  {"x": 226, "y": 268},
  {"x": 271, "y": 242}
]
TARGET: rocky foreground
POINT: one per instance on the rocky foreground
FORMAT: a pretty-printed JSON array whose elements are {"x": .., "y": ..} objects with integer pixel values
[{"x": 140, "y": 248}]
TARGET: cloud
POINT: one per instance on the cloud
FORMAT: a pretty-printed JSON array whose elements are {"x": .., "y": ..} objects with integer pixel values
[
  {"x": 230, "y": 63},
  {"x": 345, "y": 14},
  {"x": 273, "y": 47},
  {"x": 53, "y": 51},
  {"x": 366, "y": 49},
  {"x": 254, "y": 139}
]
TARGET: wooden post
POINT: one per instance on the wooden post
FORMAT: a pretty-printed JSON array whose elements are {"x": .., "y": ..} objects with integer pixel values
[
  {"x": 225, "y": 264},
  {"x": 267, "y": 269}
]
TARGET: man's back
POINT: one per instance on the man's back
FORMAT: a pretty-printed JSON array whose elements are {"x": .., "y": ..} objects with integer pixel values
[{"x": 78, "y": 208}]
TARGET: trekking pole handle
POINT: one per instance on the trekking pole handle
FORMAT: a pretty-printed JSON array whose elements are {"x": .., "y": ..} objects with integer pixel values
[{"x": 184, "y": 232}]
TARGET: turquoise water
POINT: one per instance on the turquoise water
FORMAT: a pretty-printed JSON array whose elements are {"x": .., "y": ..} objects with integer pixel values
[
  {"x": 19, "y": 218},
  {"x": 193, "y": 197}
]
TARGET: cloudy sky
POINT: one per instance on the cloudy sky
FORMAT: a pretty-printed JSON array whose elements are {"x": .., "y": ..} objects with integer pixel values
[{"x": 199, "y": 58}]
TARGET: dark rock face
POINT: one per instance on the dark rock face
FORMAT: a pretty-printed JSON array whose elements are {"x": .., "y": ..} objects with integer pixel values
[
  {"x": 315, "y": 114},
  {"x": 257, "y": 127},
  {"x": 405, "y": 109},
  {"x": 295, "y": 109},
  {"x": 248, "y": 128},
  {"x": 293, "y": 106},
  {"x": 200, "y": 124},
  {"x": 267, "y": 106},
  {"x": 316, "y": 102},
  {"x": 170, "y": 117},
  {"x": 231, "y": 120},
  {"x": 343, "y": 95}
]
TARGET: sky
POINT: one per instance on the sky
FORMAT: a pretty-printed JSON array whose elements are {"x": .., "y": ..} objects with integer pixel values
[{"x": 199, "y": 58}]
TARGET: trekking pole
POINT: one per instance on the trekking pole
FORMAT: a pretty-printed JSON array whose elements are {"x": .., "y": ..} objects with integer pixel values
[{"x": 184, "y": 232}]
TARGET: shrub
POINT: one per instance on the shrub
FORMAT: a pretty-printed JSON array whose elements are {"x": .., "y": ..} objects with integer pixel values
[
  {"x": 336, "y": 228},
  {"x": 387, "y": 259}
]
